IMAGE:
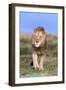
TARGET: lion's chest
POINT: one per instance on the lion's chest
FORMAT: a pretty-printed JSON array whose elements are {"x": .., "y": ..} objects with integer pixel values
[{"x": 39, "y": 51}]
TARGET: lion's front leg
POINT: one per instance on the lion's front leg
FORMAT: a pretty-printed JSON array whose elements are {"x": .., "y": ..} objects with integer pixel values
[
  {"x": 42, "y": 59},
  {"x": 35, "y": 60}
]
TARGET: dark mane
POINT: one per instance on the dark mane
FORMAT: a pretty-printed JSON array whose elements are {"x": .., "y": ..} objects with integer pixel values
[{"x": 40, "y": 29}]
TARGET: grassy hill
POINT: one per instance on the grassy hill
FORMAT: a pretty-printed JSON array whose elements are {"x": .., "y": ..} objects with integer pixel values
[{"x": 51, "y": 62}]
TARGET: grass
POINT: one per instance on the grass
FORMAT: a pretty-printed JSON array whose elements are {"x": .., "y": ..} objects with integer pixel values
[{"x": 51, "y": 62}]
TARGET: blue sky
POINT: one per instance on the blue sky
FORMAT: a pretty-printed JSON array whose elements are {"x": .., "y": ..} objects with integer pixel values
[{"x": 30, "y": 20}]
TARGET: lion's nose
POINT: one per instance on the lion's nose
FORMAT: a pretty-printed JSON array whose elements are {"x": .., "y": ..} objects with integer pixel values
[{"x": 36, "y": 41}]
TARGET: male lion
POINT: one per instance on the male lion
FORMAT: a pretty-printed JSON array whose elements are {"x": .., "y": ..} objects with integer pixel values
[{"x": 38, "y": 47}]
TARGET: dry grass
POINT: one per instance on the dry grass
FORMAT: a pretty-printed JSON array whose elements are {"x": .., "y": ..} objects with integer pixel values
[{"x": 51, "y": 62}]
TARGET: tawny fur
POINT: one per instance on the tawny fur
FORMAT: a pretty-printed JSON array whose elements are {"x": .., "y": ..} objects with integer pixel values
[{"x": 38, "y": 48}]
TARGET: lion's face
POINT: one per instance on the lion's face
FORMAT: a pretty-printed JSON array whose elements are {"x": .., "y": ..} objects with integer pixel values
[{"x": 38, "y": 38}]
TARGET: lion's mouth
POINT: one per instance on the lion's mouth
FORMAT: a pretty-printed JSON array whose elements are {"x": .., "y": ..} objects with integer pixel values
[{"x": 37, "y": 44}]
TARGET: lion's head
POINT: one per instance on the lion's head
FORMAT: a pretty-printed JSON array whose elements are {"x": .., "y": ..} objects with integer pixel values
[{"x": 38, "y": 37}]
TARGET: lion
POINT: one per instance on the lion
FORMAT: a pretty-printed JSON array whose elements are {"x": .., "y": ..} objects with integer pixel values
[{"x": 38, "y": 47}]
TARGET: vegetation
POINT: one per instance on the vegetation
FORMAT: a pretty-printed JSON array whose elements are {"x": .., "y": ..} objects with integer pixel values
[{"x": 51, "y": 62}]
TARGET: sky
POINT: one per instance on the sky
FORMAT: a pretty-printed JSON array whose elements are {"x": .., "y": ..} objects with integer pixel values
[{"x": 28, "y": 21}]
